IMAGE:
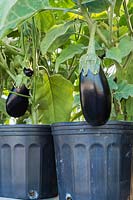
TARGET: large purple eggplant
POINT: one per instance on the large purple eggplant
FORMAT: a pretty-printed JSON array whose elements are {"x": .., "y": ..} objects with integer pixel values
[
  {"x": 95, "y": 97},
  {"x": 16, "y": 105}
]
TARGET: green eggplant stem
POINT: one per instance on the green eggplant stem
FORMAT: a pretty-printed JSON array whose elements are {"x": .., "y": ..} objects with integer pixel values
[
  {"x": 16, "y": 93},
  {"x": 90, "y": 60},
  {"x": 91, "y": 47}
]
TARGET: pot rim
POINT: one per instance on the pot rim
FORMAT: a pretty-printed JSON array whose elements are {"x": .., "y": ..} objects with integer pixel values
[
  {"x": 25, "y": 130},
  {"x": 111, "y": 122},
  {"x": 77, "y": 128}
]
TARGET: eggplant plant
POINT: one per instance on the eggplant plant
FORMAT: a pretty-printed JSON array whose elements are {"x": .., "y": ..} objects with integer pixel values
[{"x": 44, "y": 47}]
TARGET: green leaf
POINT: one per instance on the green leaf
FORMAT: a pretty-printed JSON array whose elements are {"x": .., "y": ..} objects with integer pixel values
[
  {"x": 55, "y": 99},
  {"x": 115, "y": 54},
  {"x": 123, "y": 30},
  {"x": 112, "y": 83},
  {"x": 94, "y": 5},
  {"x": 60, "y": 40},
  {"x": 45, "y": 20},
  {"x": 21, "y": 79},
  {"x": 68, "y": 53},
  {"x": 53, "y": 34},
  {"x": 129, "y": 71},
  {"x": 126, "y": 73},
  {"x": 62, "y": 3},
  {"x": 13, "y": 12},
  {"x": 76, "y": 116},
  {"x": 124, "y": 48},
  {"x": 125, "y": 91},
  {"x": 117, "y": 7},
  {"x": 76, "y": 102}
]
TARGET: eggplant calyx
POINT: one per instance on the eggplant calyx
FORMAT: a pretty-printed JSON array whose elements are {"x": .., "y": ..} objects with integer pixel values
[{"x": 90, "y": 61}]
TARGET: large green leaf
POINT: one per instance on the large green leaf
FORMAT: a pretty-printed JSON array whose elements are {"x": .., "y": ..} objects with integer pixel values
[
  {"x": 124, "y": 48},
  {"x": 13, "y": 12},
  {"x": 68, "y": 53},
  {"x": 62, "y": 3},
  {"x": 54, "y": 33},
  {"x": 45, "y": 20},
  {"x": 95, "y": 6},
  {"x": 124, "y": 90},
  {"x": 115, "y": 54},
  {"x": 60, "y": 41},
  {"x": 55, "y": 99}
]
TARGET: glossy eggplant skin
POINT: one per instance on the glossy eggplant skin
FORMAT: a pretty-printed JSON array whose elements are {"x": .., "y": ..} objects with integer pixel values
[
  {"x": 95, "y": 97},
  {"x": 17, "y": 105},
  {"x": 28, "y": 72}
]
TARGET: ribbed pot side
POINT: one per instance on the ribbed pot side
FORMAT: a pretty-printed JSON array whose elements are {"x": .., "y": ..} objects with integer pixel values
[
  {"x": 27, "y": 163},
  {"x": 93, "y": 163}
]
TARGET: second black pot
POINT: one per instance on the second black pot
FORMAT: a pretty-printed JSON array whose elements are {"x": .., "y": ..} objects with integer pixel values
[
  {"x": 93, "y": 163},
  {"x": 27, "y": 162}
]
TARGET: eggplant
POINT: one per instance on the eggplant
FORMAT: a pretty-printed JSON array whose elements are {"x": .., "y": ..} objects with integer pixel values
[
  {"x": 95, "y": 97},
  {"x": 17, "y": 105},
  {"x": 28, "y": 71}
]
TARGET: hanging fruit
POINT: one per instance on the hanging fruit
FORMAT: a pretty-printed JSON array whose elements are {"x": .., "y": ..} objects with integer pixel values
[
  {"x": 16, "y": 103},
  {"x": 28, "y": 71},
  {"x": 95, "y": 95}
]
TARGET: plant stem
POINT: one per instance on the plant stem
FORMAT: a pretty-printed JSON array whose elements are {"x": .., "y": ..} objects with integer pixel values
[
  {"x": 34, "y": 54},
  {"x": 111, "y": 13},
  {"x": 70, "y": 75},
  {"x": 128, "y": 17},
  {"x": 118, "y": 33},
  {"x": 22, "y": 39},
  {"x": 79, "y": 34},
  {"x": 125, "y": 110},
  {"x": 91, "y": 22},
  {"x": 45, "y": 69},
  {"x": 91, "y": 47},
  {"x": 62, "y": 9},
  {"x": 21, "y": 95}
]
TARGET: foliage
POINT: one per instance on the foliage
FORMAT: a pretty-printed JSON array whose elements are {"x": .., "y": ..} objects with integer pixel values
[{"x": 50, "y": 37}]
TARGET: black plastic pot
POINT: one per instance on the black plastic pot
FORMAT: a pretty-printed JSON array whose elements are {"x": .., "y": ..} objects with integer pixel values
[
  {"x": 93, "y": 163},
  {"x": 27, "y": 163}
]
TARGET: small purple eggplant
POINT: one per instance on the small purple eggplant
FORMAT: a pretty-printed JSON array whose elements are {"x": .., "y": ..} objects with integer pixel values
[{"x": 17, "y": 105}]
